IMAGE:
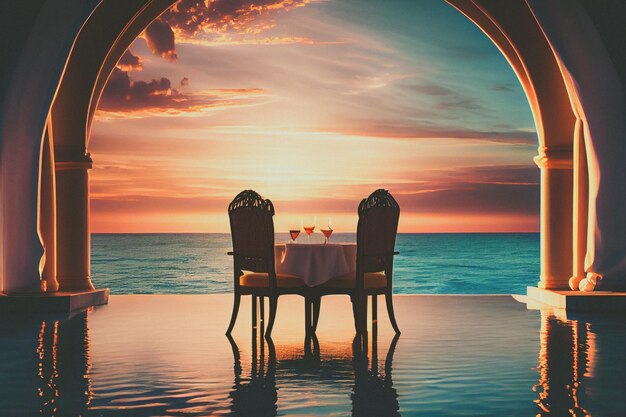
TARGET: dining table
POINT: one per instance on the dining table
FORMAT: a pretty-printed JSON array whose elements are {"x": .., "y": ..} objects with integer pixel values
[{"x": 315, "y": 263}]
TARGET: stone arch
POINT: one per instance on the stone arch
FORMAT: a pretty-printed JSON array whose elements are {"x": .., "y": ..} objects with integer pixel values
[
  {"x": 100, "y": 32},
  {"x": 511, "y": 27},
  {"x": 93, "y": 59}
]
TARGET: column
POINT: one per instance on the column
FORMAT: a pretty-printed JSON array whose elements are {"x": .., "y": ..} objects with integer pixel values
[
  {"x": 555, "y": 163},
  {"x": 581, "y": 207},
  {"x": 47, "y": 213},
  {"x": 73, "y": 236}
]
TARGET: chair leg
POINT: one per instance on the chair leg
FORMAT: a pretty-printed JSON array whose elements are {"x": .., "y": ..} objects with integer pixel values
[
  {"x": 270, "y": 324},
  {"x": 355, "y": 312},
  {"x": 392, "y": 316},
  {"x": 262, "y": 309},
  {"x": 374, "y": 310},
  {"x": 254, "y": 311},
  {"x": 362, "y": 314},
  {"x": 307, "y": 325},
  {"x": 317, "y": 302},
  {"x": 363, "y": 324},
  {"x": 233, "y": 317},
  {"x": 375, "y": 333}
]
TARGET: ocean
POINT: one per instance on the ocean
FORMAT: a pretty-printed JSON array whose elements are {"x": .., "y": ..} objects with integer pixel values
[{"x": 448, "y": 263}]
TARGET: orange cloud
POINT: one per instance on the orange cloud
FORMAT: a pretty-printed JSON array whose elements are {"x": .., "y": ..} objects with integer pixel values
[
  {"x": 229, "y": 40},
  {"x": 189, "y": 17},
  {"x": 173, "y": 186},
  {"x": 187, "y": 20},
  {"x": 401, "y": 130},
  {"x": 124, "y": 97},
  {"x": 160, "y": 39},
  {"x": 129, "y": 62}
]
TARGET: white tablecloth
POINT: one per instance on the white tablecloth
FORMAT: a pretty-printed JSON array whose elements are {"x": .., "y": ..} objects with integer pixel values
[{"x": 315, "y": 263}]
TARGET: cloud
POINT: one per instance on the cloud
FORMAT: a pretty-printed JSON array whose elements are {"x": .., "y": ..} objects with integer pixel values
[
  {"x": 485, "y": 199},
  {"x": 459, "y": 102},
  {"x": 505, "y": 87},
  {"x": 160, "y": 39},
  {"x": 184, "y": 82},
  {"x": 130, "y": 62},
  {"x": 402, "y": 130},
  {"x": 126, "y": 204},
  {"x": 483, "y": 192},
  {"x": 364, "y": 83},
  {"x": 189, "y": 17},
  {"x": 230, "y": 40},
  {"x": 187, "y": 20},
  {"x": 446, "y": 98},
  {"x": 475, "y": 190},
  {"x": 124, "y": 97},
  {"x": 431, "y": 89}
]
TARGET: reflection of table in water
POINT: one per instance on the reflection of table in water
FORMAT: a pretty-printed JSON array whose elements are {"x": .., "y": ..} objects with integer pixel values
[{"x": 315, "y": 263}]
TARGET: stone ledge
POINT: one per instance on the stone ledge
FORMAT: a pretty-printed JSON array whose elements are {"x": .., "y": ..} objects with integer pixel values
[
  {"x": 600, "y": 301},
  {"x": 57, "y": 302}
]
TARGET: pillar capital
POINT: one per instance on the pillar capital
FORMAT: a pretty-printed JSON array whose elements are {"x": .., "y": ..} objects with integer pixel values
[
  {"x": 64, "y": 166},
  {"x": 72, "y": 158},
  {"x": 555, "y": 157}
]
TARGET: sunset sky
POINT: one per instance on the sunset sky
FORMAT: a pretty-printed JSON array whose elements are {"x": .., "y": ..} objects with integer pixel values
[{"x": 314, "y": 104}]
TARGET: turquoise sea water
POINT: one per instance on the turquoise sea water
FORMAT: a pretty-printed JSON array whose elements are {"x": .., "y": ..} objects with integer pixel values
[{"x": 428, "y": 263}]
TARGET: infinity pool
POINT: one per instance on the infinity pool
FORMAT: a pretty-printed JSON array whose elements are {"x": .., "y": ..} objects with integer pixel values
[{"x": 166, "y": 355}]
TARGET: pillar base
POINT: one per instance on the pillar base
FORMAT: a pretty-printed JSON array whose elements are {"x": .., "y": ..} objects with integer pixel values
[
  {"x": 57, "y": 302},
  {"x": 553, "y": 286},
  {"x": 75, "y": 284},
  {"x": 600, "y": 301}
]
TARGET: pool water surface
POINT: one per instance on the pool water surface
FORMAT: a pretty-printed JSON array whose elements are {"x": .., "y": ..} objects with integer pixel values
[{"x": 166, "y": 355}]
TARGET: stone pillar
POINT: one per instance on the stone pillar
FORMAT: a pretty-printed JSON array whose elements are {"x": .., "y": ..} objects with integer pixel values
[
  {"x": 73, "y": 236},
  {"x": 555, "y": 163},
  {"x": 581, "y": 207},
  {"x": 47, "y": 214}
]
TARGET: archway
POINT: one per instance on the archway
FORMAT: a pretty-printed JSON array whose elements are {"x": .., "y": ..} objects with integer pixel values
[
  {"x": 551, "y": 85},
  {"x": 144, "y": 177},
  {"x": 532, "y": 61}
]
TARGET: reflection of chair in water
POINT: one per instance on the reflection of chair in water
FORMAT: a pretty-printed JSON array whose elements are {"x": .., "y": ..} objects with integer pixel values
[
  {"x": 257, "y": 395},
  {"x": 373, "y": 393}
]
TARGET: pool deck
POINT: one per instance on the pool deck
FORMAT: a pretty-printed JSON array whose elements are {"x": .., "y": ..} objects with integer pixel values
[
  {"x": 60, "y": 302},
  {"x": 597, "y": 301}
]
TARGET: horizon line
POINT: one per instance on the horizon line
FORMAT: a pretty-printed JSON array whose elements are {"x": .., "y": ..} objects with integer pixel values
[{"x": 337, "y": 232}]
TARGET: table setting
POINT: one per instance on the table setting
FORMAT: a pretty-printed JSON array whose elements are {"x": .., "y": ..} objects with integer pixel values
[{"x": 315, "y": 262}]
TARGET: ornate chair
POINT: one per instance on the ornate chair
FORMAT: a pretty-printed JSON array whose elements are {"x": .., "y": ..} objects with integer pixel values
[
  {"x": 376, "y": 237},
  {"x": 252, "y": 230}
]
